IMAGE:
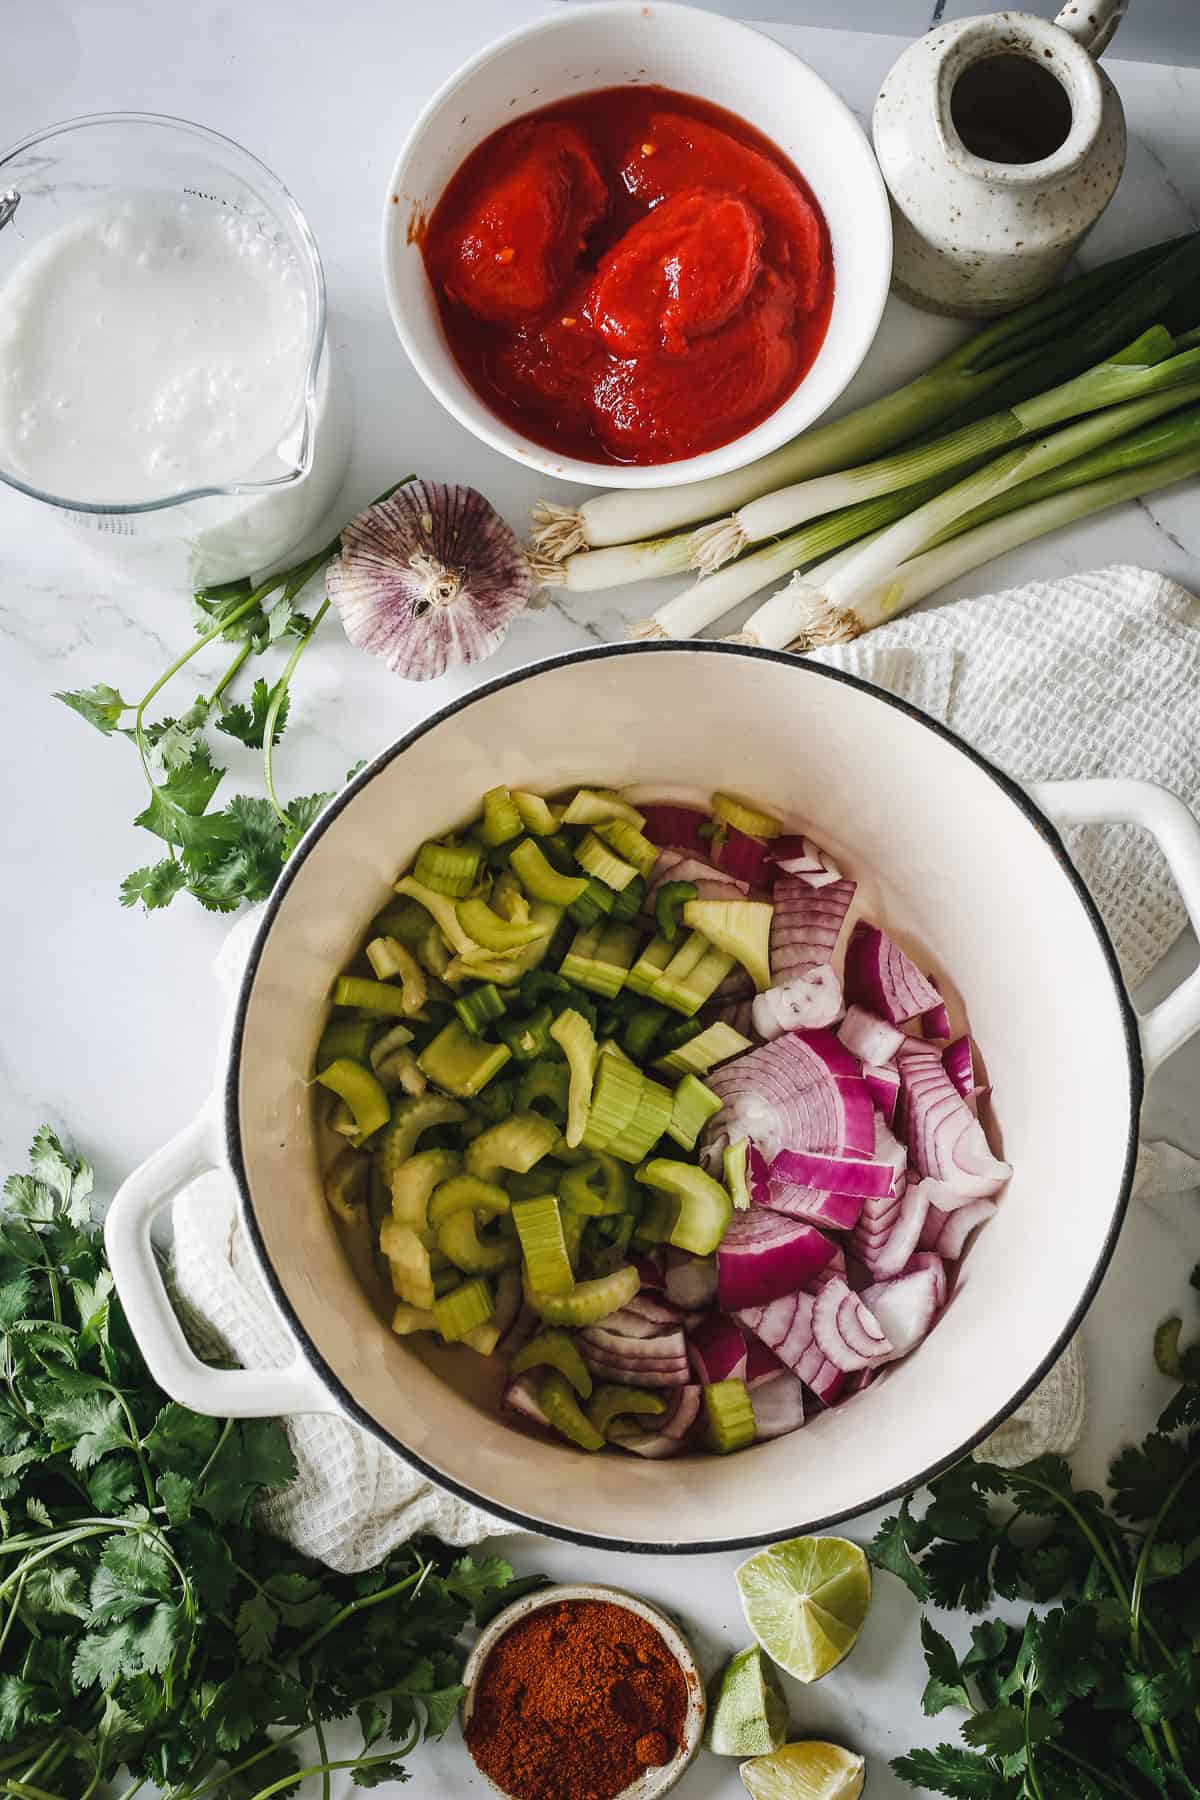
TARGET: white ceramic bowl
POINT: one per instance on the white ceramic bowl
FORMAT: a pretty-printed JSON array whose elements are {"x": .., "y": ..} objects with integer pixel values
[
  {"x": 655, "y": 1782},
  {"x": 581, "y": 48},
  {"x": 966, "y": 867}
]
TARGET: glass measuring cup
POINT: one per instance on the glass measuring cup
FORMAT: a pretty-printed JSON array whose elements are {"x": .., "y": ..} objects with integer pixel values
[{"x": 249, "y": 520}]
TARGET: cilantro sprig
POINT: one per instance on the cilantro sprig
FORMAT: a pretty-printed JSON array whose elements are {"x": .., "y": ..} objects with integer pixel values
[
  {"x": 147, "y": 1624},
  {"x": 231, "y": 855},
  {"x": 1099, "y": 1696}
]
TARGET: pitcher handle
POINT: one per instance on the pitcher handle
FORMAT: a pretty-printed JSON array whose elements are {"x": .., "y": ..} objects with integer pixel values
[{"x": 1092, "y": 23}]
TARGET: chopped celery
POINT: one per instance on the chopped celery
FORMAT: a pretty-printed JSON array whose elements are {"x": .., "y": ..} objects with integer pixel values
[
  {"x": 727, "y": 809},
  {"x": 542, "y": 985},
  {"x": 730, "y": 1416},
  {"x": 547, "y": 918},
  {"x": 693, "y": 974},
  {"x": 736, "y": 1167},
  {"x": 529, "y": 1039},
  {"x": 540, "y": 880},
  {"x": 480, "y": 1008},
  {"x": 701, "y": 1051},
  {"x": 574, "y": 1225},
  {"x": 410, "y": 1118},
  {"x": 407, "y": 1319},
  {"x": 481, "y": 1338},
  {"x": 362, "y": 1092},
  {"x": 535, "y": 813},
  {"x": 445, "y": 1280},
  {"x": 346, "y": 1037},
  {"x": 458, "y": 1238},
  {"x": 460, "y": 1063},
  {"x": 407, "y": 920},
  {"x": 517, "y": 1143},
  {"x": 341, "y": 1120},
  {"x": 669, "y": 903},
  {"x": 491, "y": 931},
  {"x": 676, "y": 1034},
  {"x": 401, "y": 1070},
  {"x": 390, "y": 958},
  {"x": 547, "y": 1083},
  {"x": 501, "y": 819},
  {"x": 506, "y": 971},
  {"x": 555, "y": 1350},
  {"x": 610, "y": 1047},
  {"x": 649, "y": 966},
  {"x": 408, "y": 1262},
  {"x": 599, "y": 1187},
  {"x": 609, "y": 1243},
  {"x": 742, "y": 928},
  {"x": 594, "y": 855},
  {"x": 599, "y": 959},
  {"x": 589, "y": 1301},
  {"x": 465, "y": 1193},
  {"x": 563, "y": 1412},
  {"x": 599, "y": 806},
  {"x": 451, "y": 869},
  {"x": 346, "y": 1185},
  {"x": 657, "y": 1222},
  {"x": 630, "y": 844},
  {"x": 495, "y": 1103},
  {"x": 559, "y": 851},
  {"x": 641, "y": 1029},
  {"x": 396, "y": 1037},
  {"x": 414, "y": 1182},
  {"x": 612, "y": 1403},
  {"x": 594, "y": 904},
  {"x": 458, "y": 1313},
  {"x": 628, "y": 903},
  {"x": 539, "y": 1227},
  {"x": 616, "y": 1096},
  {"x": 508, "y": 899},
  {"x": 543, "y": 1178},
  {"x": 440, "y": 908},
  {"x": 373, "y": 996},
  {"x": 705, "y": 1208},
  {"x": 647, "y": 1125},
  {"x": 574, "y": 1036},
  {"x": 693, "y": 1107}
]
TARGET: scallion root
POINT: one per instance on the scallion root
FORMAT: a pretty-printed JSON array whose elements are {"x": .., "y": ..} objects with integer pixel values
[
  {"x": 716, "y": 544},
  {"x": 557, "y": 530},
  {"x": 547, "y": 571},
  {"x": 647, "y": 628}
]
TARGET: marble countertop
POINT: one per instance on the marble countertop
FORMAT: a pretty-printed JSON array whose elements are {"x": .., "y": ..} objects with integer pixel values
[{"x": 112, "y": 1016}]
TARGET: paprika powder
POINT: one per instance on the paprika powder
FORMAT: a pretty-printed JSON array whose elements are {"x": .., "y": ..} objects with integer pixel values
[{"x": 575, "y": 1702}]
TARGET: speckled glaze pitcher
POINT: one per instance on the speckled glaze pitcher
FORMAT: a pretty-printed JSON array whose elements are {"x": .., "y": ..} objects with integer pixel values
[{"x": 1001, "y": 143}]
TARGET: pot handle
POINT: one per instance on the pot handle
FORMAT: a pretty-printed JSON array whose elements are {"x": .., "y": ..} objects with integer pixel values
[
  {"x": 1119, "y": 801},
  {"x": 1092, "y": 23},
  {"x": 224, "y": 1393}
]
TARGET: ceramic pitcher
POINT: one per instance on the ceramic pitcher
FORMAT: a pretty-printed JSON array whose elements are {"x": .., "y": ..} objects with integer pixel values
[{"x": 1001, "y": 142}]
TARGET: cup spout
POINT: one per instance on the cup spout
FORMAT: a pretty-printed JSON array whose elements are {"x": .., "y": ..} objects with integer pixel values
[{"x": 1092, "y": 23}]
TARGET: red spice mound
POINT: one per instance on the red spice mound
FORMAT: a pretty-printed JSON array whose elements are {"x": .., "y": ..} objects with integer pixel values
[{"x": 575, "y": 1702}]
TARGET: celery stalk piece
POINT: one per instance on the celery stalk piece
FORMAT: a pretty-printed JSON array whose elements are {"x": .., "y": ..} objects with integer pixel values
[
  {"x": 599, "y": 959},
  {"x": 516, "y": 1143},
  {"x": 491, "y": 931},
  {"x": 694, "y": 1105},
  {"x": 541, "y": 880},
  {"x": 346, "y": 1186},
  {"x": 346, "y": 1037},
  {"x": 594, "y": 855},
  {"x": 451, "y": 869},
  {"x": 374, "y": 996},
  {"x": 414, "y": 1181},
  {"x": 736, "y": 1168},
  {"x": 465, "y": 1193},
  {"x": 505, "y": 971},
  {"x": 616, "y": 1095},
  {"x": 641, "y": 1029},
  {"x": 563, "y": 1412},
  {"x": 460, "y": 1312},
  {"x": 458, "y": 1239},
  {"x": 545, "y": 1083},
  {"x": 540, "y": 1229},
  {"x": 576, "y": 1039},
  {"x": 528, "y": 1039},
  {"x": 730, "y": 1416},
  {"x": 693, "y": 974},
  {"x": 589, "y": 1301},
  {"x": 599, "y": 1188},
  {"x": 657, "y": 1222},
  {"x": 742, "y": 928},
  {"x": 647, "y": 1125},
  {"x": 400, "y": 1071},
  {"x": 611, "y": 1403},
  {"x": 535, "y": 813},
  {"x": 554, "y": 1350},
  {"x": 445, "y": 1276},
  {"x": 705, "y": 1208},
  {"x": 594, "y": 904},
  {"x": 501, "y": 820},
  {"x": 362, "y": 1092},
  {"x": 409, "y": 1119},
  {"x": 407, "y": 1319},
  {"x": 396, "y": 1037},
  {"x": 508, "y": 899},
  {"x": 649, "y": 966},
  {"x": 628, "y": 903},
  {"x": 408, "y": 1262},
  {"x": 630, "y": 844},
  {"x": 341, "y": 1120},
  {"x": 459, "y": 1063},
  {"x": 669, "y": 902},
  {"x": 406, "y": 920},
  {"x": 481, "y": 1338},
  {"x": 715, "y": 1044},
  {"x": 481, "y": 1007},
  {"x": 547, "y": 917},
  {"x": 600, "y": 806},
  {"x": 727, "y": 809},
  {"x": 389, "y": 958},
  {"x": 440, "y": 908}
]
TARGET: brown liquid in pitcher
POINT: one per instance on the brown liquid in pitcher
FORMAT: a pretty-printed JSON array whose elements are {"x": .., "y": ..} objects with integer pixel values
[{"x": 1009, "y": 109}]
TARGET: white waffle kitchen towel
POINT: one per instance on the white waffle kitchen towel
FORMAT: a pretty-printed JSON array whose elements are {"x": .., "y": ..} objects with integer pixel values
[{"x": 1093, "y": 675}]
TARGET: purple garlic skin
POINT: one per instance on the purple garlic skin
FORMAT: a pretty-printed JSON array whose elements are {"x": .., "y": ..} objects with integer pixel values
[{"x": 429, "y": 578}]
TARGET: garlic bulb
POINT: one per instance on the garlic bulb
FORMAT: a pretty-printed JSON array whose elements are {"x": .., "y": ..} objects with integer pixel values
[{"x": 429, "y": 578}]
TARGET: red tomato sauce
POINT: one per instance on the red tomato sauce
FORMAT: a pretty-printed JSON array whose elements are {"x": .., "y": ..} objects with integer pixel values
[{"x": 631, "y": 276}]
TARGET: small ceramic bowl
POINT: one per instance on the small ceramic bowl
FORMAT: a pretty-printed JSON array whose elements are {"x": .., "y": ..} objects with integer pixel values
[
  {"x": 654, "y": 1781},
  {"x": 581, "y": 48}
]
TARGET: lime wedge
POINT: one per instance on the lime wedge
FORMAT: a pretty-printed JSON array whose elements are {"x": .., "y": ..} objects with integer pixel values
[
  {"x": 809, "y": 1771},
  {"x": 747, "y": 1712},
  {"x": 805, "y": 1602}
]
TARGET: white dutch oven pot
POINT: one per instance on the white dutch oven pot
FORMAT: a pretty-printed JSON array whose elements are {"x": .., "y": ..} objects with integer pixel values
[{"x": 966, "y": 866}]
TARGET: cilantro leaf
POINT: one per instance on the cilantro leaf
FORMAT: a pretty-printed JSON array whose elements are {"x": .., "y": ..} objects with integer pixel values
[
  {"x": 962, "y": 1774},
  {"x": 1143, "y": 1476},
  {"x": 1001, "y": 1730},
  {"x": 247, "y": 723},
  {"x": 891, "y": 1549},
  {"x": 441, "y": 1707},
  {"x": 945, "y": 1686},
  {"x": 477, "y": 1582},
  {"x": 155, "y": 885},
  {"x": 257, "y": 1624},
  {"x": 101, "y": 705}
]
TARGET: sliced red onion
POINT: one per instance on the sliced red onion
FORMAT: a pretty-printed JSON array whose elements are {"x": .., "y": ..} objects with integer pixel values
[
  {"x": 931, "y": 1230},
  {"x": 675, "y": 827},
  {"x": 778, "y": 1404},
  {"x": 888, "y": 1258},
  {"x": 718, "y": 1350},
  {"x": 882, "y": 978},
  {"x": 808, "y": 1000},
  {"x": 929, "y": 1260},
  {"x": 834, "y": 1212},
  {"x": 858, "y": 1383},
  {"x": 936, "y": 1022},
  {"x": 761, "y": 1364},
  {"x": 691, "y": 1280},
  {"x": 526, "y": 1325},
  {"x": 631, "y": 1325},
  {"x": 759, "y": 1176},
  {"x": 869, "y": 1037},
  {"x": 806, "y": 924},
  {"x": 883, "y": 1085},
  {"x": 800, "y": 856},
  {"x": 803, "y": 1091},
  {"x": 649, "y": 1268},
  {"x": 682, "y": 1412},
  {"x": 656, "y": 1311},
  {"x": 711, "y": 884},
  {"x": 846, "y": 1330},
  {"x": 786, "y": 1328},
  {"x": 764, "y": 1255},
  {"x": 905, "y": 1308},
  {"x": 839, "y": 1174},
  {"x": 521, "y": 1396},
  {"x": 952, "y": 1240},
  {"x": 944, "y": 1137},
  {"x": 826, "y": 1381},
  {"x": 958, "y": 1060},
  {"x": 745, "y": 858}
]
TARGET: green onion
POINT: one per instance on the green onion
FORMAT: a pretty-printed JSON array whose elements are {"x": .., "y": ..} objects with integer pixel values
[
  {"x": 587, "y": 571},
  {"x": 451, "y": 869},
  {"x": 539, "y": 1227},
  {"x": 669, "y": 903},
  {"x": 480, "y": 1008},
  {"x": 459, "y": 1312}
]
